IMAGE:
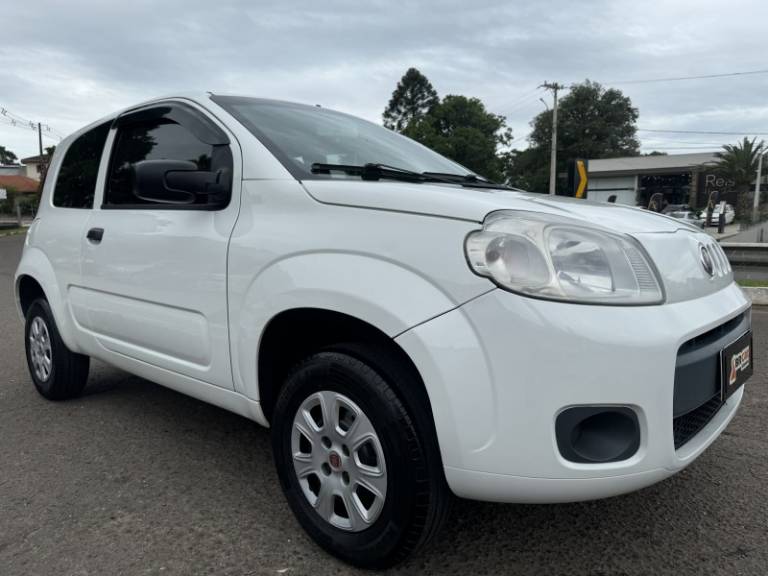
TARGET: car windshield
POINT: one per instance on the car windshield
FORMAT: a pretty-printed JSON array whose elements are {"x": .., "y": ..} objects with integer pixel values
[{"x": 300, "y": 136}]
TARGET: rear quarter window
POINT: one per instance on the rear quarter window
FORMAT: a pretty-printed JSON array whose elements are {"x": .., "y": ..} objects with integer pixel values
[{"x": 76, "y": 180}]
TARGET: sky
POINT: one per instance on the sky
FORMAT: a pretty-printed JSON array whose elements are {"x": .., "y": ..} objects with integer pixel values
[{"x": 68, "y": 63}]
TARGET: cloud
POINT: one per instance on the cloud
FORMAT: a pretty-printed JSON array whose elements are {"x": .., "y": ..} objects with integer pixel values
[{"x": 68, "y": 63}]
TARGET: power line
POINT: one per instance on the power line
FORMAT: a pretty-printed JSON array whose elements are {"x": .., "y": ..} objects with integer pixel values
[
  {"x": 680, "y": 78},
  {"x": 47, "y": 133},
  {"x": 697, "y": 142},
  {"x": 649, "y": 146},
  {"x": 526, "y": 96},
  {"x": 526, "y": 100},
  {"x": 702, "y": 132},
  {"x": 20, "y": 122}
]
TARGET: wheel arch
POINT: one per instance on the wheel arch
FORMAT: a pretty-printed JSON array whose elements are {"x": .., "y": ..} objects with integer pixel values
[
  {"x": 295, "y": 333},
  {"x": 27, "y": 291},
  {"x": 34, "y": 278}
]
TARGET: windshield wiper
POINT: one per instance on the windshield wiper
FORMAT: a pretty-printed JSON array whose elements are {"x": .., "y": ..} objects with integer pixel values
[
  {"x": 470, "y": 180},
  {"x": 373, "y": 171}
]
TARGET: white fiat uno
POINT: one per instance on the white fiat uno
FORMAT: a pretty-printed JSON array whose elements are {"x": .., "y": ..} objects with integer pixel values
[{"x": 408, "y": 329}]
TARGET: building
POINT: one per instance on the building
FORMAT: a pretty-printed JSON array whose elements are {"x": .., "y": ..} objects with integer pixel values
[
  {"x": 680, "y": 178},
  {"x": 12, "y": 170},
  {"x": 35, "y": 166}
]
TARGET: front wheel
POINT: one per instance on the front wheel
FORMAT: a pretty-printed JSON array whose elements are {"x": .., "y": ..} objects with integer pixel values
[
  {"x": 359, "y": 476},
  {"x": 57, "y": 372}
]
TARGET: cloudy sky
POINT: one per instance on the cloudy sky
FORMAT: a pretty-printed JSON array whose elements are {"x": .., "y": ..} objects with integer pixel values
[{"x": 67, "y": 63}]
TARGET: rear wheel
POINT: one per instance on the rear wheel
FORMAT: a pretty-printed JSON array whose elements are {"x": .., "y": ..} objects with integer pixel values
[
  {"x": 57, "y": 372},
  {"x": 360, "y": 477}
]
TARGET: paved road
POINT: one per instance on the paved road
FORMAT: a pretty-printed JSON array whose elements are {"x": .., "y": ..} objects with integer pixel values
[{"x": 136, "y": 479}]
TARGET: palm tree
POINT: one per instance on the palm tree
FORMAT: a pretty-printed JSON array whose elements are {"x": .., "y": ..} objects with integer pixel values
[{"x": 738, "y": 163}]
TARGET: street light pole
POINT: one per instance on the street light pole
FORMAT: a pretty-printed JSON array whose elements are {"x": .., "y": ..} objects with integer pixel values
[{"x": 554, "y": 86}]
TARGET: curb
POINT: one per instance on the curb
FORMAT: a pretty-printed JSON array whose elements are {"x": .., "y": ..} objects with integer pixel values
[{"x": 759, "y": 296}]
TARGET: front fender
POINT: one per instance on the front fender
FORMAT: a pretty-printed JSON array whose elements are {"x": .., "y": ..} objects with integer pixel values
[
  {"x": 35, "y": 263},
  {"x": 382, "y": 293}
]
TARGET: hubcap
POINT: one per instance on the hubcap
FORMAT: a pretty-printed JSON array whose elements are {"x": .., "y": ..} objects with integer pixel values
[
  {"x": 338, "y": 460},
  {"x": 40, "y": 350}
]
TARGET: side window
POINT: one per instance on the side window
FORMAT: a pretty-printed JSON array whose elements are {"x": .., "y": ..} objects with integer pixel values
[
  {"x": 76, "y": 181},
  {"x": 158, "y": 138}
]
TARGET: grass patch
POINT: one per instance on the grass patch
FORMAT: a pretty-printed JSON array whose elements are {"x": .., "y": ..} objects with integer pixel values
[
  {"x": 753, "y": 283},
  {"x": 13, "y": 231}
]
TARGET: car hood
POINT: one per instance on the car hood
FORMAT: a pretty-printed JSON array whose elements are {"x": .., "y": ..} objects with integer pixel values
[
  {"x": 474, "y": 204},
  {"x": 673, "y": 245}
]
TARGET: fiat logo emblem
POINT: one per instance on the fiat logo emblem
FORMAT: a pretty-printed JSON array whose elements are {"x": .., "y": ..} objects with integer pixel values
[{"x": 706, "y": 260}]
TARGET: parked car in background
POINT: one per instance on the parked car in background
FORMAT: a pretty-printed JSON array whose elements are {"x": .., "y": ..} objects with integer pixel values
[
  {"x": 669, "y": 208},
  {"x": 730, "y": 214},
  {"x": 688, "y": 216},
  {"x": 409, "y": 330}
]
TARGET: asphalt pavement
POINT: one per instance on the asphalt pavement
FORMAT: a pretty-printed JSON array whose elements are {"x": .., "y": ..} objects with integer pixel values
[{"x": 133, "y": 478}]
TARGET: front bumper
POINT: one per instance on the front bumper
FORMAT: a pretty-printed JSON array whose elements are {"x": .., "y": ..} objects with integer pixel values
[{"x": 500, "y": 369}]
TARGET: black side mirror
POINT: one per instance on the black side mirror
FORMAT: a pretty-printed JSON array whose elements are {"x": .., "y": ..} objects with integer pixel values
[{"x": 178, "y": 182}]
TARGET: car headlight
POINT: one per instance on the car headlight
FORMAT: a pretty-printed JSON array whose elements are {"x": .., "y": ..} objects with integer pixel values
[{"x": 558, "y": 258}]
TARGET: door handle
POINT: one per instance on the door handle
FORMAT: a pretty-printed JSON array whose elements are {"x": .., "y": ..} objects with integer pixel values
[{"x": 95, "y": 235}]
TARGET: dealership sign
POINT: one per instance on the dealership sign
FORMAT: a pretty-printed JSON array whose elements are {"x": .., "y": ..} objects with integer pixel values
[{"x": 714, "y": 182}]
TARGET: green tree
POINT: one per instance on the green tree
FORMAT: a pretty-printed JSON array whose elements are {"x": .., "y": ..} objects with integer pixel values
[
  {"x": 412, "y": 99},
  {"x": 527, "y": 169},
  {"x": 6, "y": 156},
  {"x": 738, "y": 163},
  {"x": 463, "y": 130},
  {"x": 592, "y": 122}
]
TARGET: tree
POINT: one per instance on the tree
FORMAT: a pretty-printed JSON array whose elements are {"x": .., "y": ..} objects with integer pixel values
[
  {"x": 738, "y": 163},
  {"x": 463, "y": 130},
  {"x": 411, "y": 100},
  {"x": 6, "y": 156},
  {"x": 592, "y": 122}
]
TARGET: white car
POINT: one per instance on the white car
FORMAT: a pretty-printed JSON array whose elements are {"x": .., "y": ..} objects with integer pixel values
[
  {"x": 408, "y": 329},
  {"x": 687, "y": 216},
  {"x": 727, "y": 209}
]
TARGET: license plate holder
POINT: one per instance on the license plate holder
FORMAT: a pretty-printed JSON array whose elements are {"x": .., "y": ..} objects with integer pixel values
[{"x": 736, "y": 365}]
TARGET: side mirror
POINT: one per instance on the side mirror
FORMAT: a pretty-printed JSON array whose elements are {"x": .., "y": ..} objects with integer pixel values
[{"x": 178, "y": 182}]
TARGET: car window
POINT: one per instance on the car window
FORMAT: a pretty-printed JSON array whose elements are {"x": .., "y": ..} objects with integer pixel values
[
  {"x": 76, "y": 180},
  {"x": 157, "y": 139}
]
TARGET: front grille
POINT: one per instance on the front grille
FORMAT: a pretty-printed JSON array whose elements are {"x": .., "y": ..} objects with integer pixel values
[
  {"x": 688, "y": 425},
  {"x": 713, "y": 335}
]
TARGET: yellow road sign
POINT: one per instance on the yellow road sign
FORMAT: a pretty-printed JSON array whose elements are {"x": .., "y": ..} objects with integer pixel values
[{"x": 582, "y": 185}]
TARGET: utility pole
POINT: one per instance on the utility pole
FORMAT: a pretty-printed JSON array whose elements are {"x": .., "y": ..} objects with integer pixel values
[
  {"x": 554, "y": 86},
  {"x": 40, "y": 137},
  {"x": 756, "y": 200}
]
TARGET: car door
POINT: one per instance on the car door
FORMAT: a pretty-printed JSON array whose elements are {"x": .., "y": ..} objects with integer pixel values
[
  {"x": 154, "y": 273},
  {"x": 69, "y": 190}
]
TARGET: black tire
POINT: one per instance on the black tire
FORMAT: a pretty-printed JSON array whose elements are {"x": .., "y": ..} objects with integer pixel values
[
  {"x": 417, "y": 496},
  {"x": 68, "y": 372}
]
